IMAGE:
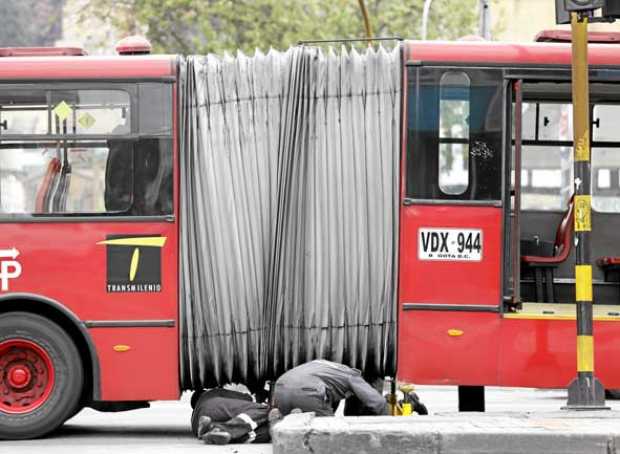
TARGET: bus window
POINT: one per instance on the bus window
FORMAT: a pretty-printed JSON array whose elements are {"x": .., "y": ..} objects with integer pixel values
[
  {"x": 605, "y": 158},
  {"x": 23, "y": 112},
  {"x": 56, "y": 178},
  {"x": 86, "y": 151},
  {"x": 605, "y": 123},
  {"x": 555, "y": 122},
  {"x": 90, "y": 112},
  {"x": 115, "y": 177},
  {"x": 546, "y": 156},
  {"x": 64, "y": 112},
  {"x": 150, "y": 190},
  {"x": 550, "y": 177},
  {"x": 606, "y": 179},
  {"x": 155, "y": 109},
  {"x": 454, "y": 133}
]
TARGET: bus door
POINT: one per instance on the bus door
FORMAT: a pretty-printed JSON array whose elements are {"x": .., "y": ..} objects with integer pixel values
[
  {"x": 538, "y": 334},
  {"x": 452, "y": 222}
]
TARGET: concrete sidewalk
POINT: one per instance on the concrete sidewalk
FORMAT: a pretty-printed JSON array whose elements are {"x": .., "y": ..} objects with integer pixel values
[{"x": 560, "y": 432}]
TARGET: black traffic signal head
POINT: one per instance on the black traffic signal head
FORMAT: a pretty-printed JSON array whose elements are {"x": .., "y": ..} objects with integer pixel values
[
  {"x": 583, "y": 5},
  {"x": 611, "y": 8},
  {"x": 561, "y": 15},
  {"x": 563, "y": 8}
]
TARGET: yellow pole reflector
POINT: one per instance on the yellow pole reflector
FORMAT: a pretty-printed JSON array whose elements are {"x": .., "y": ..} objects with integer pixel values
[
  {"x": 585, "y": 353},
  {"x": 583, "y": 283},
  {"x": 583, "y": 217}
]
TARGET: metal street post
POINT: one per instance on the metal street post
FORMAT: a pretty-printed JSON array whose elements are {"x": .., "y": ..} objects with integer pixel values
[
  {"x": 485, "y": 19},
  {"x": 585, "y": 391},
  {"x": 425, "y": 12}
]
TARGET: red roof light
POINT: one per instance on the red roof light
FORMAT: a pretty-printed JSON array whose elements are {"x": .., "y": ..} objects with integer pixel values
[{"x": 133, "y": 45}]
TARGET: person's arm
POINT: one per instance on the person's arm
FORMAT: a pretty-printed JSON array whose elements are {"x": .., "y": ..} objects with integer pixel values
[{"x": 368, "y": 395}]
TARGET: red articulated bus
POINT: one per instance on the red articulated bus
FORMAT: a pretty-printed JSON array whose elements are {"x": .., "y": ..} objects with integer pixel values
[{"x": 486, "y": 280}]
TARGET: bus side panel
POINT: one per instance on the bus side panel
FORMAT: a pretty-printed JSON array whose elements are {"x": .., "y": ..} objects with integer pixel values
[
  {"x": 542, "y": 353},
  {"x": 606, "y": 342},
  {"x": 66, "y": 263},
  {"x": 448, "y": 348},
  {"x": 450, "y": 281},
  {"x": 137, "y": 363}
]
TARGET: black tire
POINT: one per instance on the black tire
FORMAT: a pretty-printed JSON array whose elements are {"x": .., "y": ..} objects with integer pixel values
[
  {"x": 68, "y": 376},
  {"x": 75, "y": 411}
]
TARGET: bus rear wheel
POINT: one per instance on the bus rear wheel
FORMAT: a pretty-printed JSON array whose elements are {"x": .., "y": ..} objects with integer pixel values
[{"x": 41, "y": 376}]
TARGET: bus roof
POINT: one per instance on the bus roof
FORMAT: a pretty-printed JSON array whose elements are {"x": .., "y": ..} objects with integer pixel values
[
  {"x": 163, "y": 66},
  {"x": 88, "y": 68},
  {"x": 494, "y": 53}
]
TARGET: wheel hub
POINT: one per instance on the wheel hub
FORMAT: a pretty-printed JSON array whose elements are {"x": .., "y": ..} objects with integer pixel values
[
  {"x": 26, "y": 376},
  {"x": 19, "y": 376}
]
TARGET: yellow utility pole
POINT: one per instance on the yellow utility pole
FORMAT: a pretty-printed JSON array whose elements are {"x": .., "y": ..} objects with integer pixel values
[
  {"x": 585, "y": 391},
  {"x": 364, "y": 11}
]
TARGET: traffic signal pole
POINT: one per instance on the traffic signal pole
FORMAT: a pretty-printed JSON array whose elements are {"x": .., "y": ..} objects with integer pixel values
[{"x": 585, "y": 391}]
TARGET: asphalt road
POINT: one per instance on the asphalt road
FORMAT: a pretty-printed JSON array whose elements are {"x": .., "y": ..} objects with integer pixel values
[{"x": 165, "y": 428}]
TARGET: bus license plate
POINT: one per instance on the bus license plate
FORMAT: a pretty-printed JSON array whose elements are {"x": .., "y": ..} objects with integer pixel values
[{"x": 450, "y": 244}]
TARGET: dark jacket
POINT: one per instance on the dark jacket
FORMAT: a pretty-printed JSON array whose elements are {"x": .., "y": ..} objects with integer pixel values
[{"x": 338, "y": 381}]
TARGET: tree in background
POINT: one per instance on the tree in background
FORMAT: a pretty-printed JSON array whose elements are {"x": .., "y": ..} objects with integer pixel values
[
  {"x": 201, "y": 26},
  {"x": 30, "y": 22}
]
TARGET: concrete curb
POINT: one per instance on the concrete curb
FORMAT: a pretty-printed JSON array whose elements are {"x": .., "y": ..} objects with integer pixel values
[{"x": 452, "y": 433}]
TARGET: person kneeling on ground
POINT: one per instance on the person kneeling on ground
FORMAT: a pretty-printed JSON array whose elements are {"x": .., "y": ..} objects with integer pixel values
[
  {"x": 224, "y": 416},
  {"x": 320, "y": 385}
]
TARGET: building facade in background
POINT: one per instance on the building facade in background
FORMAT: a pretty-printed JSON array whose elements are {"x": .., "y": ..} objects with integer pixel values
[{"x": 521, "y": 20}]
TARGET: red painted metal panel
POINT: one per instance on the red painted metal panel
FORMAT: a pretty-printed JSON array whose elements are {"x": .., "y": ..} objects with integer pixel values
[
  {"x": 450, "y": 282},
  {"x": 428, "y": 354},
  {"x": 426, "y": 351},
  {"x": 123, "y": 67},
  {"x": 542, "y": 353},
  {"x": 537, "y": 353},
  {"x": 507, "y": 53},
  {"x": 606, "y": 342},
  {"x": 63, "y": 261},
  {"x": 496, "y": 351},
  {"x": 147, "y": 371}
]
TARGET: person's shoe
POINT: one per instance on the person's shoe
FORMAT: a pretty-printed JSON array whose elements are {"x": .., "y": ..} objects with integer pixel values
[
  {"x": 295, "y": 411},
  {"x": 204, "y": 425},
  {"x": 274, "y": 416},
  {"x": 216, "y": 437},
  {"x": 418, "y": 406}
]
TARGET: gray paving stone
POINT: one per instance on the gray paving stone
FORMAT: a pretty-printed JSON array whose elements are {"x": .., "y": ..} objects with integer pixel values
[{"x": 559, "y": 432}]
